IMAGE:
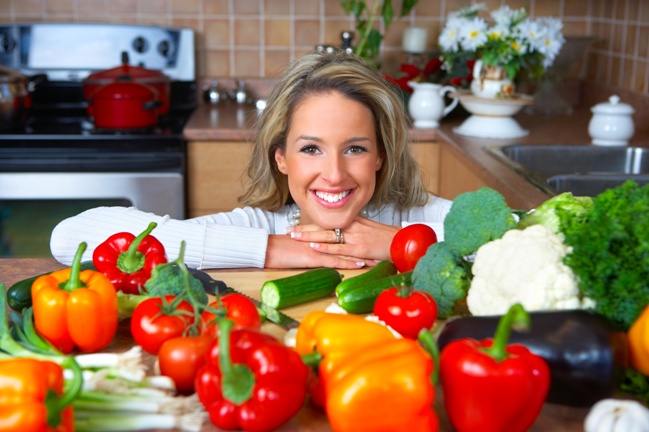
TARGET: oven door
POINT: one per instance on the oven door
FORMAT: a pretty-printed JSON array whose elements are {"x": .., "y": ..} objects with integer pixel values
[{"x": 42, "y": 183}]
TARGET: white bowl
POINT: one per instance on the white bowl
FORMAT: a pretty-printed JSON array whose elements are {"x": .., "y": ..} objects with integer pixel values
[{"x": 493, "y": 107}]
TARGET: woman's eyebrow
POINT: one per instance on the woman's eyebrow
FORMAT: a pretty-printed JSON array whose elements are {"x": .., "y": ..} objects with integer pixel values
[{"x": 316, "y": 139}]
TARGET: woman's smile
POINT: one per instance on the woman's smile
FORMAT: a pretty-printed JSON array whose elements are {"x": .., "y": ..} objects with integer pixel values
[{"x": 331, "y": 159}]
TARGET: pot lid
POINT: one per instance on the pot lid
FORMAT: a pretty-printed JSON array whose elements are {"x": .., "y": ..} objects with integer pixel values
[
  {"x": 136, "y": 72},
  {"x": 613, "y": 106},
  {"x": 10, "y": 75},
  {"x": 125, "y": 90}
]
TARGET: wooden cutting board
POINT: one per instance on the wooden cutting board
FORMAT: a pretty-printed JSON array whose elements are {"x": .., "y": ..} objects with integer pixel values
[{"x": 250, "y": 283}]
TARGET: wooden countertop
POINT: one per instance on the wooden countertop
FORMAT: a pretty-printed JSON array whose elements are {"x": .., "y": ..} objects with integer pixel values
[
  {"x": 230, "y": 122},
  {"x": 310, "y": 418}
]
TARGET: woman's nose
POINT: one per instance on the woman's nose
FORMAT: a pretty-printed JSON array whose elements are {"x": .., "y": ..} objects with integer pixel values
[{"x": 334, "y": 171}]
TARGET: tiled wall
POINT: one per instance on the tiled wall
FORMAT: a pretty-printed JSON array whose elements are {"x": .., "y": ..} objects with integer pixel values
[{"x": 255, "y": 38}]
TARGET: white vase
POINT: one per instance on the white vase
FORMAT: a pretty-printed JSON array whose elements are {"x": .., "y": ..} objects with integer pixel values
[
  {"x": 427, "y": 106},
  {"x": 491, "y": 81}
]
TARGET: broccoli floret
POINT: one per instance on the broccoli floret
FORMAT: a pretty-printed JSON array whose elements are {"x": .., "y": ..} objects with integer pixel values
[
  {"x": 610, "y": 251},
  {"x": 443, "y": 275},
  {"x": 476, "y": 218},
  {"x": 546, "y": 214}
]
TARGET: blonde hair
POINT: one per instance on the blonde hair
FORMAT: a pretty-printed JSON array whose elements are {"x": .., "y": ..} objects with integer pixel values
[{"x": 399, "y": 179}]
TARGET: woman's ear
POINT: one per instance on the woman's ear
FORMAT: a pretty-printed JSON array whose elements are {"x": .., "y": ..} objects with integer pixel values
[{"x": 281, "y": 161}]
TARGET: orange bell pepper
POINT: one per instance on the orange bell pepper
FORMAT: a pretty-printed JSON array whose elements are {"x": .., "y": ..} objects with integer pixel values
[
  {"x": 32, "y": 397},
  {"x": 638, "y": 336},
  {"x": 372, "y": 381},
  {"x": 75, "y": 308}
]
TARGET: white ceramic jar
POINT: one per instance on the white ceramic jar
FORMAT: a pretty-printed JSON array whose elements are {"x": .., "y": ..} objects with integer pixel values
[{"x": 612, "y": 123}]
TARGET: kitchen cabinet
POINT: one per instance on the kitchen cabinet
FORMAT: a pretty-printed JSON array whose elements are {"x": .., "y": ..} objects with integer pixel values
[
  {"x": 456, "y": 176},
  {"x": 216, "y": 172}
]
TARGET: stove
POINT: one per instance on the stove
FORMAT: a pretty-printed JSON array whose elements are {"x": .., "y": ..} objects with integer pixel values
[{"x": 56, "y": 157}]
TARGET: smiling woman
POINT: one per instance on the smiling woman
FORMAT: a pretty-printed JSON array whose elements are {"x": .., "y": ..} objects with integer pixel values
[{"x": 332, "y": 180}]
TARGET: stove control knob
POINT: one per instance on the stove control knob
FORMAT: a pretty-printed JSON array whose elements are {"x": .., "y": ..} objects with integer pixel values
[
  {"x": 7, "y": 44},
  {"x": 164, "y": 48},
  {"x": 140, "y": 44}
]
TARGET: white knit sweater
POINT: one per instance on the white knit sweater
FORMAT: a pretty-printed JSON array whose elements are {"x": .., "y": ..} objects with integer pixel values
[{"x": 235, "y": 239}]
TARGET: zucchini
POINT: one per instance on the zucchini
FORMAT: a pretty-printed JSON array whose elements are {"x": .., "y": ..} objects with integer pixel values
[
  {"x": 300, "y": 288},
  {"x": 19, "y": 295},
  {"x": 361, "y": 298},
  {"x": 380, "y": 270}
]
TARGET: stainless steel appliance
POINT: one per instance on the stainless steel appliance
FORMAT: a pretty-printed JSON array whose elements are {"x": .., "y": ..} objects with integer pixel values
[{"x": 57, "y": 162}]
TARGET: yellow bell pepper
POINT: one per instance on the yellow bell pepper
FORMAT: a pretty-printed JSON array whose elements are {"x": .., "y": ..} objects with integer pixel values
[
  {"x": 638, "y": 336},
  {"x": 372, "y": 380}
]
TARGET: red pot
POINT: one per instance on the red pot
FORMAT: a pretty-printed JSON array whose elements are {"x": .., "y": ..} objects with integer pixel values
[
  {"x": 150, "y": 77},
  {"x": 124, "y": 105}
]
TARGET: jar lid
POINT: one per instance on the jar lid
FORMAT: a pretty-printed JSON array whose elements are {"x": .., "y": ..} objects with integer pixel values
[{"x": 613, "y": 106}]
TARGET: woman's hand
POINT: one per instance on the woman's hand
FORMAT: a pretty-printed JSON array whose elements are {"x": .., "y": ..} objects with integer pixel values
[
  {"x": 285, "y": 252},
  {"x": 365, "y": 239}
]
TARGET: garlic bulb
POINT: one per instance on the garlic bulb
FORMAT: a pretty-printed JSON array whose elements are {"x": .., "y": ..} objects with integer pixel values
[{"x": 615, "y": 415}]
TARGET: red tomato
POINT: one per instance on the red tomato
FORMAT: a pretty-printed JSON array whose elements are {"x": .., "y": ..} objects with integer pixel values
[
  {"x": 410, "y": 244},
  {"x": 151, "y": 326},
  {"x": 240, "y": 309},
  {"x": 406, "y": 311},
  {"x": 180, "y": 358}
]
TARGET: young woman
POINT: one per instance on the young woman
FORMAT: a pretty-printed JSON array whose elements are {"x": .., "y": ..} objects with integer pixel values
[{"x": 331, "y": 181}]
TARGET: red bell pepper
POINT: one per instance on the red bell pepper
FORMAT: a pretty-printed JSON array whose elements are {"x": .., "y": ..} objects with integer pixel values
[
  {"x": 250, "y": 380},
  {"x": 127, "y": 260},
  {"x": 491, "y": 386},
  {"x": 406, "y": 310}
]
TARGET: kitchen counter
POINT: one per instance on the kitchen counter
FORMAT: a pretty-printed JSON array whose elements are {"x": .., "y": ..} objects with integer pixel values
[
  {"x": 310, "y": 418},
  {"x": 231, "y": 122}
]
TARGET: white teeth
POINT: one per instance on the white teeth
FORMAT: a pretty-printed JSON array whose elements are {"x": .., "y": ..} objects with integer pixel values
[{"x": 329, "y": 197}]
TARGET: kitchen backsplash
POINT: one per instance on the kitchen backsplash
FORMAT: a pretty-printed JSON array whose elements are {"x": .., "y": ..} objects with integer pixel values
[{"x": 255, "y": 38}]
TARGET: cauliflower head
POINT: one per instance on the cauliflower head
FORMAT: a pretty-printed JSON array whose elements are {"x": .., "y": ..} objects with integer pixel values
[{"x": 526, "y": 267}]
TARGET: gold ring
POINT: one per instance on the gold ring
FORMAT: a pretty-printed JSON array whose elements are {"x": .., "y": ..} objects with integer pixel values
[{"x": 339, "y": 236}]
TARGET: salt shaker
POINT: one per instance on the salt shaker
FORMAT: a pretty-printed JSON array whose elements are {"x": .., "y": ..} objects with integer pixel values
[
  {"x": 214, "y": 94},
  {"x": 612, "y": 123}
]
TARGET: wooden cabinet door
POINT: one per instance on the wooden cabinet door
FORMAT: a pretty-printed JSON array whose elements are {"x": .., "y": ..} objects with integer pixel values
[{"x": 215, "y": 175}]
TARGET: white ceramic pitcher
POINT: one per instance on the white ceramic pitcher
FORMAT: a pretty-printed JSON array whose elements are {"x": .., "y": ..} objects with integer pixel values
[
  {"x": 491, "y": 81},
  {"x": 427, "y": 105}
]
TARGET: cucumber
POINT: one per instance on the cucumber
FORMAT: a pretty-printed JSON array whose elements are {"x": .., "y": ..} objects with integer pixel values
[
  {"x": 301, "y": 288},
  {"x": 361, "y": 298},
  {"x": 380, "y": 270},
  {"x": 19, "y": 295}
]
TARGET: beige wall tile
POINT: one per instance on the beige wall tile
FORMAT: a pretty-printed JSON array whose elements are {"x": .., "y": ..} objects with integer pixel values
[
  {"x": 332, "y": 31},
  {"x": 640, "y": 84},
  {"x": 575, "y": 8},
  {"x": 619, "y": 11},
  {"x": 643, "y": 42},
  {"x": 615, "y": 77},
  {"x": 277, "y": 32},
  {"x": 247, "y": 31},
  {"x": 627, "y": 73},
  {"x": 306, "y": 7},
  {"x": 575, "y": 28},
  {"x": 216, "y": 32},
  {"x": 216, "y": 7},
  {"x": 59, "y": 6},
  {"x": 307, "y": 32},
  {"x": 428, "y": 8},
  {"x": 192, "y": 23},
  {"x": 184, "y": 6},
  {"x": 278, "y": 7},
  {"x": 275, "y": 62},
  {"x": 155, "y": 19},
  {"x": 246, "y": 63},
  {"x": 546, "y": 8},
  {"x": 644, "y": 11},
  {"x": 334, "y": 9},
  {"x": 93, "y": 6},
  {"x": 246, "y": 7},
  {"x": 217, "y": 63},
  {"x": 153, "y": 6},
  {"x": 617, "y": 44},
  {"x": 24, "y": 7},
  {"x": 122, "y": 6},
  {"x": 631, "y": 39}
]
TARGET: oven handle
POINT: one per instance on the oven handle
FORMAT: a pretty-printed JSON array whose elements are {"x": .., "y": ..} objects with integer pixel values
[{"x": 159, "y": 193}]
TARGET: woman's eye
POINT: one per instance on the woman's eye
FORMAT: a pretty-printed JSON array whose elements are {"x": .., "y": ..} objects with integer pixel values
[
  {"x": 310, "y": 149},
  {"x": 356, "y": 149}
]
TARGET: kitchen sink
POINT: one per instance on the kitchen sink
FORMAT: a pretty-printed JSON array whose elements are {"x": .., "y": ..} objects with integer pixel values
[{"x": 585, "y": 170}]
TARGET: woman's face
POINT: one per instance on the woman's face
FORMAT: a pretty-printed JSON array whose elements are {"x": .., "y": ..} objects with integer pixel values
[{"x": 331, "y": 159}]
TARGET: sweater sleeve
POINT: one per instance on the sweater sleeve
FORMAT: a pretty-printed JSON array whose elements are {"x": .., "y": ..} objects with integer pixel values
[{"x": 231, "y": 240}]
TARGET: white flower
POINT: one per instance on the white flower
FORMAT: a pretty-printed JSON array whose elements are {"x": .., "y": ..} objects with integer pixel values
[
  {"x": 505, "y": 16},
  {"x": 449, "y": 39},
  {"x": 473, "y": 34},
  {"x": 468, "y": 11}
]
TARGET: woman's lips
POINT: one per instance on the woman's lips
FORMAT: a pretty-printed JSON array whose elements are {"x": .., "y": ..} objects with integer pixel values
[{"x": 332, "y": 199}]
